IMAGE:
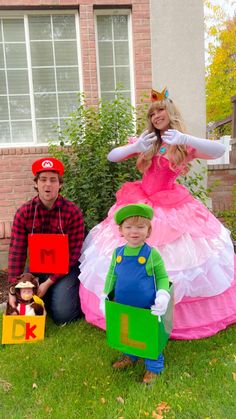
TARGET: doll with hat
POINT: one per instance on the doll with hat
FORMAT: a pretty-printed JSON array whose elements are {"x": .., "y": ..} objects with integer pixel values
[
  {"x": 137, "y": 276},
  {"x": 196, "y": 248},
  {"x": 25, "y": 290}
]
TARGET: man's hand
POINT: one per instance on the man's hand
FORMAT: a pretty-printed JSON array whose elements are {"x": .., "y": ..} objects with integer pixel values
[
  {"x": 44, "y": 287},
  {"x": 12, "y": 300}
]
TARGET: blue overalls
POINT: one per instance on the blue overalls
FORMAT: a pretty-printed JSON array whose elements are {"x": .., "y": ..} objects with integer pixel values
[{"x": 136, "y": 288}]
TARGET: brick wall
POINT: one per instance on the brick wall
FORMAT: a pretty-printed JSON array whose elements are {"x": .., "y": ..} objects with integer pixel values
[
  {"x": 16, "y": 180},
  {"x": 16, "y": 187},
  {"x": 226, "y": 175}
]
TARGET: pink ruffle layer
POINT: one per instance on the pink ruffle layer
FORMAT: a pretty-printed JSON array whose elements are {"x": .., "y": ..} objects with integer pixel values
[{"x": 168, "y": 224}]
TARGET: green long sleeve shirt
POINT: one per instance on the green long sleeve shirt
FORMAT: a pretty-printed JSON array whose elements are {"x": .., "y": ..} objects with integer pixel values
[{"x": 154, "y": 265}]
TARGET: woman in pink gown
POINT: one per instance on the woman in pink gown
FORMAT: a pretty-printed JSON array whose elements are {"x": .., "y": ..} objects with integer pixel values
[{"x": 196, "y": 248}]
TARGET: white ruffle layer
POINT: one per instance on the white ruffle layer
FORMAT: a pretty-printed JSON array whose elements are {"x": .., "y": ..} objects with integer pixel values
[{"x": 198, "y": 267}]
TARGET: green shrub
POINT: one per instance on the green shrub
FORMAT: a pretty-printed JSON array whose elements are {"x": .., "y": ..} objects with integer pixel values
[
  {"x": 90, "y": 132},
  {"x": 194, "y": 182},
  {"x": 229, "y": 220},
  {"x": 229, "y": 216}
]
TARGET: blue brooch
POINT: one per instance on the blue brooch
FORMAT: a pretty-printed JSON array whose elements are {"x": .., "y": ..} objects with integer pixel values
[{"x": 162, "y": 150}]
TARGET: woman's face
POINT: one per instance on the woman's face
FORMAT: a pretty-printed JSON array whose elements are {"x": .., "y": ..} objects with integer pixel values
[{"x": 160, "y": 119}]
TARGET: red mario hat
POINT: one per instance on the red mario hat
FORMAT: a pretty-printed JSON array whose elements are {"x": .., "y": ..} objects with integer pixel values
[{"x": 47, "y": 164}]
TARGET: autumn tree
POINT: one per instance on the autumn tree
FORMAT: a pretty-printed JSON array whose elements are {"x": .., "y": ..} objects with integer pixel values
[{"x": 221, "y": 73}]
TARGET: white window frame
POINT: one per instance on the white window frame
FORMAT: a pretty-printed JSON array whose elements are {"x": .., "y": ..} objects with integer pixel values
[
  {"x": 16, "y": 14},
  {"x": 116, "y": 12}
]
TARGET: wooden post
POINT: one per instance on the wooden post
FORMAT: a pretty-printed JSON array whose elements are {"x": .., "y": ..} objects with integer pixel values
[{"x": 233, "y": 133}]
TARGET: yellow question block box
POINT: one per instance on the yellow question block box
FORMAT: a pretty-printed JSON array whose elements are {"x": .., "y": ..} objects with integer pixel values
[{"x": 23, "y": 329}]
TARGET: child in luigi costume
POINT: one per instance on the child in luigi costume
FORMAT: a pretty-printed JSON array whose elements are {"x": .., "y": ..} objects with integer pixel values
[{"x": 137, "y": 276}]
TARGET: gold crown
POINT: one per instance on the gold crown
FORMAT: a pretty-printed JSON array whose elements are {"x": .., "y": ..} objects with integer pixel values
[{"x": 156, "y": 96}]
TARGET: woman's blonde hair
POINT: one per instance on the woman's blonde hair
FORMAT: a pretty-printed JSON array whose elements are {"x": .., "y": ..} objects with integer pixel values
[{"x": 177, "y": 153}]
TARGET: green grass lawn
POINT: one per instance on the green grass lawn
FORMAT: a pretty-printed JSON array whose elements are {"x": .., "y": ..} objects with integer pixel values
[{"x": 69, "y": 375}]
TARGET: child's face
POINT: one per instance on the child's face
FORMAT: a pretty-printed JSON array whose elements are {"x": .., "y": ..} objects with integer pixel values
[
  {"x": 135, "y": 233},
  {"x": 26, "y": 294}
]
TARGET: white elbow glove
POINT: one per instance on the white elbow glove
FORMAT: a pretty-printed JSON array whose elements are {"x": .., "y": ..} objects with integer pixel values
[
  {"x": 161, "y": 302},
  {"x": 212, "y": 149},
  {"x": 143, "y": 143},
  {"x": 102, "y": 303}
]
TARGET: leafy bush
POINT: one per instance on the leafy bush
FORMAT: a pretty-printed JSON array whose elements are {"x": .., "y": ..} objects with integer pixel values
[
  {"x": 90, "y": 132},
  {"x": 194, "y": 182},
  {"x": 229, "y": 216},
  {"x": 229, "y": 220}
]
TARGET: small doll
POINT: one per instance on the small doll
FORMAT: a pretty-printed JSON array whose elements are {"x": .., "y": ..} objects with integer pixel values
[{"x": 25, "y": 289}]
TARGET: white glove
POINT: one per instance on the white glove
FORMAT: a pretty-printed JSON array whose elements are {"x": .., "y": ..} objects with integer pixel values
[
  {"x": 161, "y": 302},
  {"x": 211, "y": 149},
  {"x": 143, "y": 143},
  {"x": 102, "y": 303}
]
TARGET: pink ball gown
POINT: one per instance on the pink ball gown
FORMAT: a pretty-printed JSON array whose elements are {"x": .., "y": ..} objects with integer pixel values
[{"x": 195, "y": 246}]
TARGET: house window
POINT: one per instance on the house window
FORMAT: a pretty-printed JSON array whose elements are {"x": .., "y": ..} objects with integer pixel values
[
  {"x": 115, "y": 68},
  {"x": 39, "y": 75}
]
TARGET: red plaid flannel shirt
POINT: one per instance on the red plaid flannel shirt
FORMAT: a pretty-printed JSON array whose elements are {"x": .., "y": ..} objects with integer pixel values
[{"x": 45, "y": 221}]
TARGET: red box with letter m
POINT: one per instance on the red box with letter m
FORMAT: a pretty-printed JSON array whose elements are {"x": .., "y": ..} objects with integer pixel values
[{"x": 48, "y": 253}]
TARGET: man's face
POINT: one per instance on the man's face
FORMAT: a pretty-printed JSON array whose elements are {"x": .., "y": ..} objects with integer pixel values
[{"x": 48, "y": 188}]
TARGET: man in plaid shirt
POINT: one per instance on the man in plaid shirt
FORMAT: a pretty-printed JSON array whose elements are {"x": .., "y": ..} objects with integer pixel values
[{"x": 49, "y": 212}]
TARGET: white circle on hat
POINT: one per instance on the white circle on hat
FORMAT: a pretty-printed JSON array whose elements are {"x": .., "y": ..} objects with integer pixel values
[{"x": 47, "y": 163}]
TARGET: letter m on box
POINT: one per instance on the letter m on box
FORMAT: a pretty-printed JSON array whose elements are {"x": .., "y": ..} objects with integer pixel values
[{"x": 48, "y": 253}]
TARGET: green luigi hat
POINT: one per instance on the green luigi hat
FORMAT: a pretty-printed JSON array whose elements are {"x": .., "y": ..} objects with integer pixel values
[{"x": 133, "y": 210}]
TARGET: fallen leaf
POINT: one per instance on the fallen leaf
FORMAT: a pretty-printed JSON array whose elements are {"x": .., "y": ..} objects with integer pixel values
[
  {"x": 103, "y": 401},
  {"x": 163, "y": 406},
  {"x": 234, "y": 376},
  {"x": 48, "y": 409},
  {"x": 5, "y": 385},
  {"x": 156, "y": 415},
  {"x": 213, "y": 361},
  {"x": 120, "y": 400},
  {"x": 34, "y": 385}
]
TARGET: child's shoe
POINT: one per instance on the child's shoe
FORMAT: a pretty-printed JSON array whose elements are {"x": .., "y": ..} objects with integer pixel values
[
  {"x": 124, "y": 362},
  {"x": 150, "y": 377}
]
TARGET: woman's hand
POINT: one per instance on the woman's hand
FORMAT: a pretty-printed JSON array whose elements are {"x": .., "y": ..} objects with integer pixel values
[
  {"x": 145, "y": 141},
  {"x": 174, "y": 137},
  {"x": 206, "y": 149}
]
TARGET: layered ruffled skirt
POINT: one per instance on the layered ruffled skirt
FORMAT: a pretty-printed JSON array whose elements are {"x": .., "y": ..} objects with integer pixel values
[{"x": 198, "y": 255}]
